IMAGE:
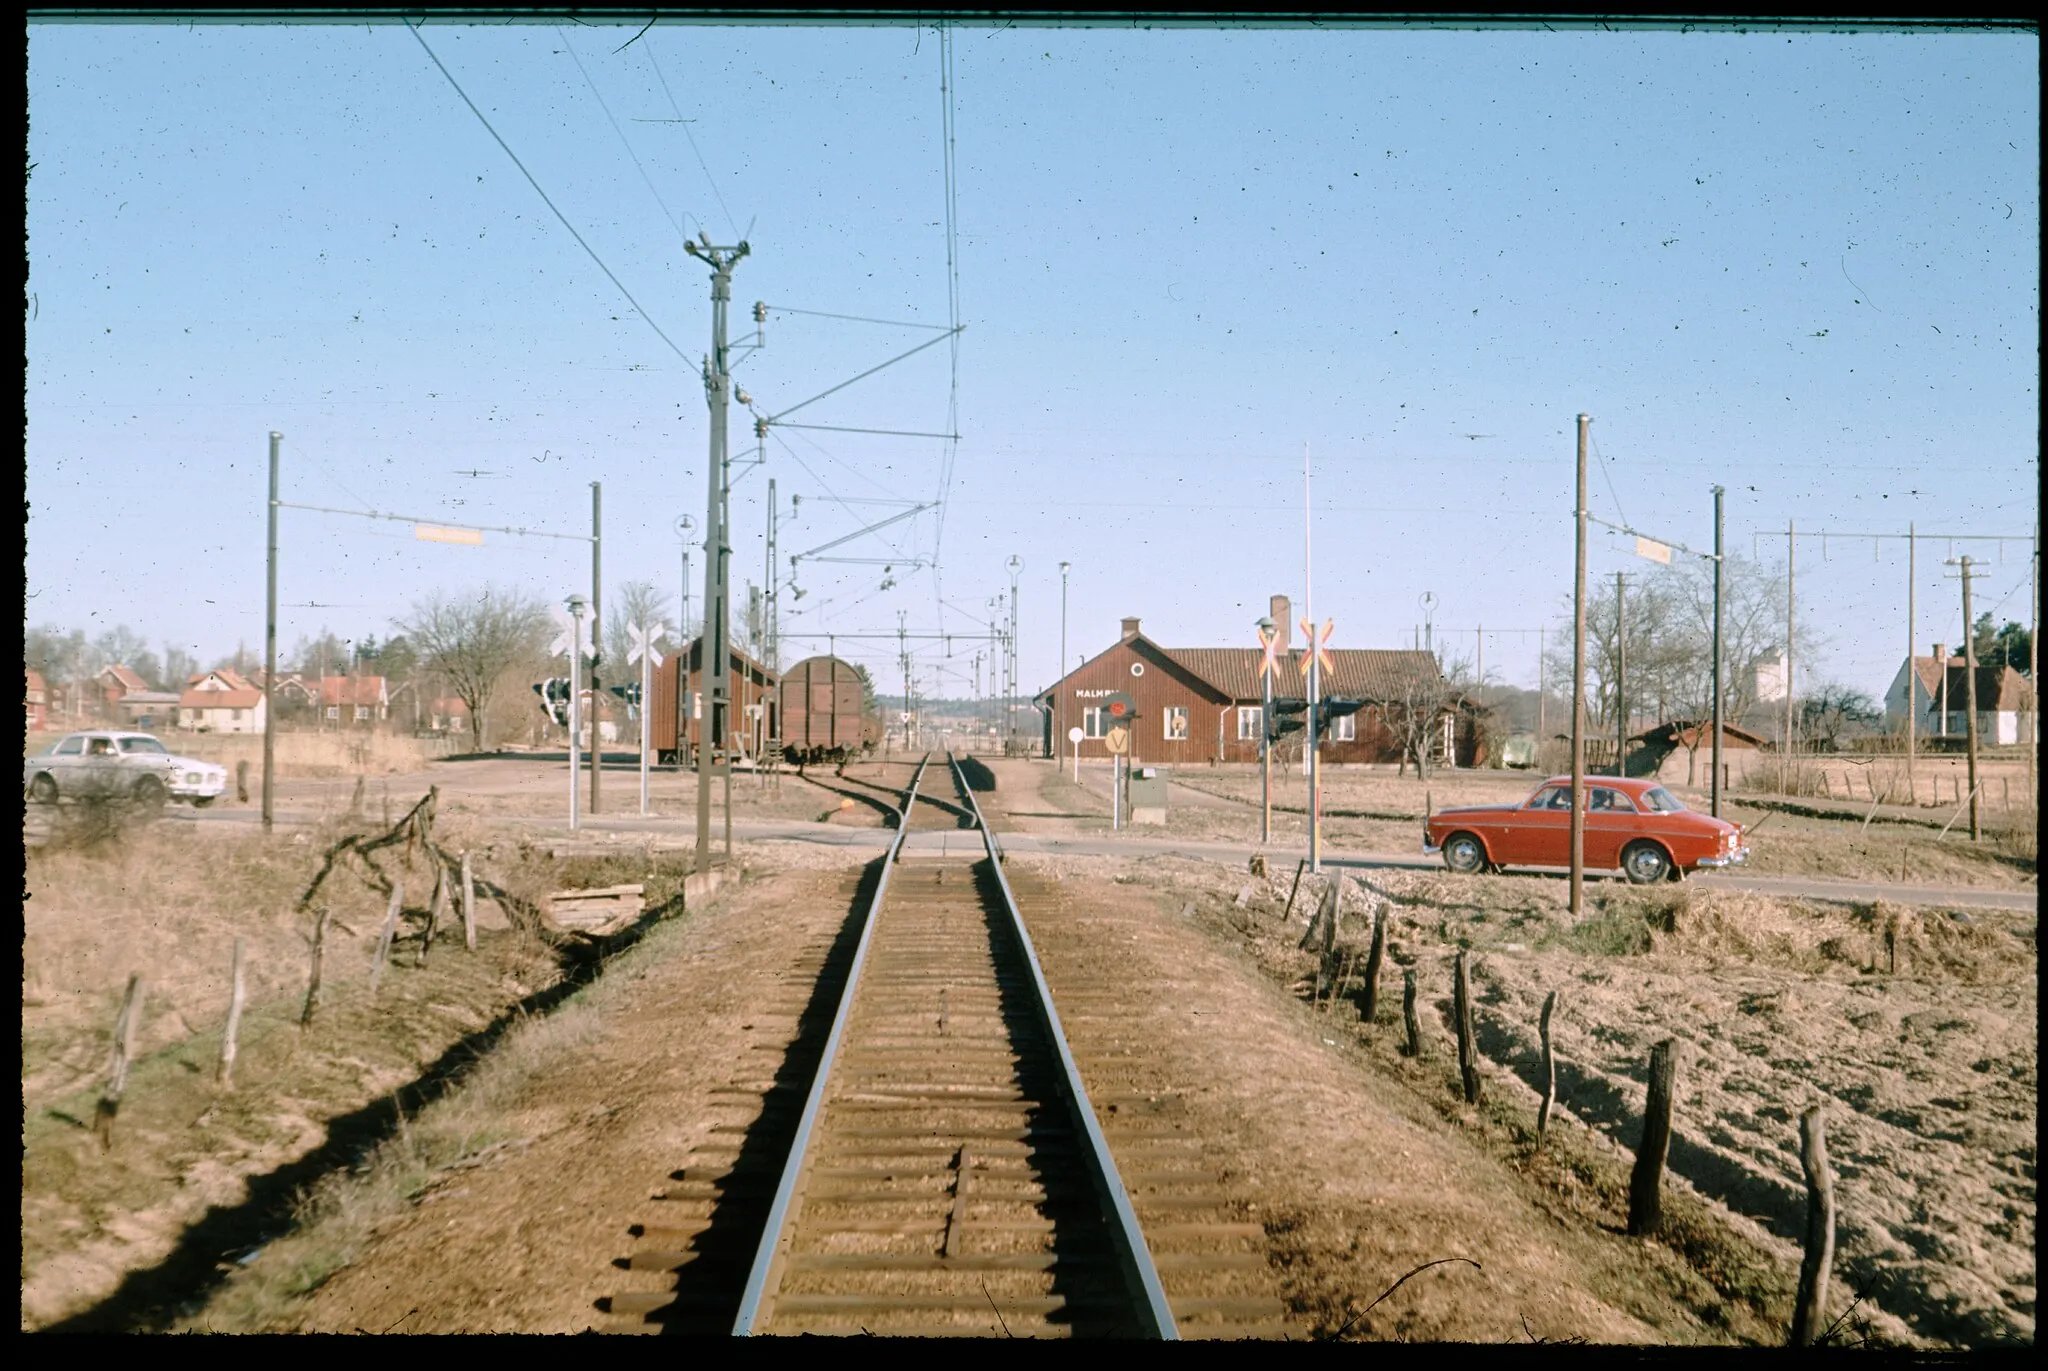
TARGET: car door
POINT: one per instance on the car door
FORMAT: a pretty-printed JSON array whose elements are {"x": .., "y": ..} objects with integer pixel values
[
  {"x": 99, "y": 771},
  {"x": 63, "y": 762},
  {"x": 1537, "y": 834},
  {"x": 1611, "y": 821}
]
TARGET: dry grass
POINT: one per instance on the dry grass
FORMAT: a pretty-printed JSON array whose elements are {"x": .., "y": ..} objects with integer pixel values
[
  {"x": 336, "y": 1219},
  {"x": 168, "y": 901}
]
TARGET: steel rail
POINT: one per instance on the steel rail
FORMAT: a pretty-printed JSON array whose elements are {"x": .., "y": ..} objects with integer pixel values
[
  {"x": 775, "y": 1235},
  {"x": 1140, "y": 1272}
]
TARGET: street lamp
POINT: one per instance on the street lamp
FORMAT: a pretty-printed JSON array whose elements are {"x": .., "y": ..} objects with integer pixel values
[
  {"x": 1266, "y": 631},
  {"x": 576, "y": 607},
  {"x": 1064, "y": 567}
]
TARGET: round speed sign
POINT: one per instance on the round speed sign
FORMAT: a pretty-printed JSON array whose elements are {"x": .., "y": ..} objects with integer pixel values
[{"x": 1075, "y": 735}]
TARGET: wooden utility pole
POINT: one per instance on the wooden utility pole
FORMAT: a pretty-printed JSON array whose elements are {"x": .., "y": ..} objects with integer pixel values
[
  {"x": 1970, "y": 696},
  {"x": 1620, "y": 677},
  {"x": 1720, "y": 561},
  {"x": 1912, "y": 671},
  {"x": 1785, "y": 757},
  {"x": 1578, "y": 855},
  {"x": 596, "y": 637}
]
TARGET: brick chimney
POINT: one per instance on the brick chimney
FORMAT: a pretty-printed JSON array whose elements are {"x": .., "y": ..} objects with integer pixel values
[
  {"x": 1130, "y": 629},
  {"x": 1282, "y": 613}
]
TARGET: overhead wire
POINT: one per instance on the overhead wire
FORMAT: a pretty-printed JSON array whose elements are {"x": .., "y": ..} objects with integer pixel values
[
  {"x": 638, "y": 166},
  {"x": 951, "y": 452},
  {"x": 710, "y": 180},
  {"x": 591, "y": 252}
]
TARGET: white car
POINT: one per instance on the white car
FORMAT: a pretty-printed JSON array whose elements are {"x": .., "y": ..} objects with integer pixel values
[{"x": 135, "y": 765}]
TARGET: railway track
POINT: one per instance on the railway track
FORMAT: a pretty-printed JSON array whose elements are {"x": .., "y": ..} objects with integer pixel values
[{"x": 930, "y": 1164}]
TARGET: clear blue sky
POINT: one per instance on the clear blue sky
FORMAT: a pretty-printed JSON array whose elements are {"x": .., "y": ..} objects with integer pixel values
[{"x": 1805, "y": 267}]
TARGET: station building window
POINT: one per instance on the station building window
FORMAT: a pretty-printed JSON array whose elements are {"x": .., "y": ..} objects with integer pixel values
[
  {"x": 1176, "y": 724},
  {"x": 1250, "y": 719}
]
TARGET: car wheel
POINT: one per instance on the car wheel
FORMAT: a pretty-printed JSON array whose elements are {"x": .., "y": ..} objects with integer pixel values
[
  {"x": 150, "y": 793},
  {"x": 43, "y": 789},
  {"x": 1464, "y": 854},
  {"x": 1645, "y": 864}
]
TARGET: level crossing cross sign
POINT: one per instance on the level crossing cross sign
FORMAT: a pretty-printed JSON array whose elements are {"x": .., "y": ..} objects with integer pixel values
[
  {"x": 567, "y": 635},
  {"x": 1319, "y": 643},
  {"x": 1269, "y": 643},
  {"x": 643, "y": 638}
]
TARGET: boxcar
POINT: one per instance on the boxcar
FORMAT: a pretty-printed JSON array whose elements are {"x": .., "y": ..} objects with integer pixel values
[{"x": 824, "y": 713}]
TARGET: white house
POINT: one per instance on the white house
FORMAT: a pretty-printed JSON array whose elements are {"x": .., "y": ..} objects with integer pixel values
[
  {"x": 1936, "y": 690},
  {"x": 221, "y": 702}
]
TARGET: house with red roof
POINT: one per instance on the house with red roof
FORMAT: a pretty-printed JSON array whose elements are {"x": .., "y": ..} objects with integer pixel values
[
  {"x": 354, "y": 699},
  {"x": 220, "y": 701},
  {"x": 1203, "y": 704}
]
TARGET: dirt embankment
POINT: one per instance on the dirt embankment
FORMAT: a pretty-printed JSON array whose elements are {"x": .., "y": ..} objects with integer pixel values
[
  {"x": 1914, "y": 1031},
  {"x": 196, "y": 1175}
]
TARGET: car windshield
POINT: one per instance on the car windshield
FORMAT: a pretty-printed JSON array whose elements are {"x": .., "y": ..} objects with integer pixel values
[
  {"x": 1661, "y": 801},
  {"x": 150, "y": 745}
]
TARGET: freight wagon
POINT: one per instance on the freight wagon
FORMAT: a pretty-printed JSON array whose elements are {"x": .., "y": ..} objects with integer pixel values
[
  {"x": 824, "y": 713},
  {"x": 677, "y": 707}
]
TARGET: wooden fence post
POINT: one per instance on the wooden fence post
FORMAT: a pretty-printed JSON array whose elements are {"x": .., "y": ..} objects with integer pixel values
[
  {"x": 1325, "y": 916},
  {"x": 1294, "y": 890},
  {"x": 468, "y": 906},
  {"x": 1645, "y": 1208},
  {"x": 385, "y": 934},
  {"x": 225, "y": 1075},
  {"x": 242, "y": 781},
  {"x": 1369, "y": 996},
  {"x": 313, "y": 976},
  {"x": 435, "y": 908},
  {"x": 1327, "y": 957},
  {"x": 1549, "y": 1072},
  {"x": 1408, "y": 1013},
  {"x": 125, "y": 1028},
  {"x": 1461, "y": 1010},
  {"x": 1810, "y": 1312}
]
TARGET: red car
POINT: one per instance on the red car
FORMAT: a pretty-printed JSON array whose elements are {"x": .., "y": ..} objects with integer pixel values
[{"x": 1635, "y": 826}]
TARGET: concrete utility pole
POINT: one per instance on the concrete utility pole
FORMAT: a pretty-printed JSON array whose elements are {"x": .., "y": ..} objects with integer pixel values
[
  {"x": 596, "y": 637},
  {"x": 1016, "y": 566},
  {"x": 771, "y": 649},
  {"x": 270, "y": 646},
  {"x": 1720, "y": 560},
  {"x": 1578, "y": 826},
  {"x": 713, "y": 653},
  {"x": 1970, "y": 695},
  {"x": 1620, "y": 678}
]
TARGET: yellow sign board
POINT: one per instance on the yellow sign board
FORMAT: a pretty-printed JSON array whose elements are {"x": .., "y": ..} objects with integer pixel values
[
  {"x": 1117, "y": 740},
  {"x": 434, "y": 533},
  {"x": 1653, "y": 550}
]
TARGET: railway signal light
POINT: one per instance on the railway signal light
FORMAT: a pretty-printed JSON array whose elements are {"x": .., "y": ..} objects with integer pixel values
[
  {"x": 554, "y": 698},
  {"x": 1286, "y": 718},
  {"x": 1333, "y": 708}
]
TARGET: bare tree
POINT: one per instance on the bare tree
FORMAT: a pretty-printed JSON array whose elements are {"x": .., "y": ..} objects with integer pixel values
[
  {"x": 473, "y": 640},
  {"x": 1422, "y": 697},
  {"x": 634, "y": 603},
  {"x": 1669, "y": 625}
]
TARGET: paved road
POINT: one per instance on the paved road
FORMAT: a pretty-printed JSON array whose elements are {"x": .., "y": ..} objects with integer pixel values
[{"x": 680, "y": 833}]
